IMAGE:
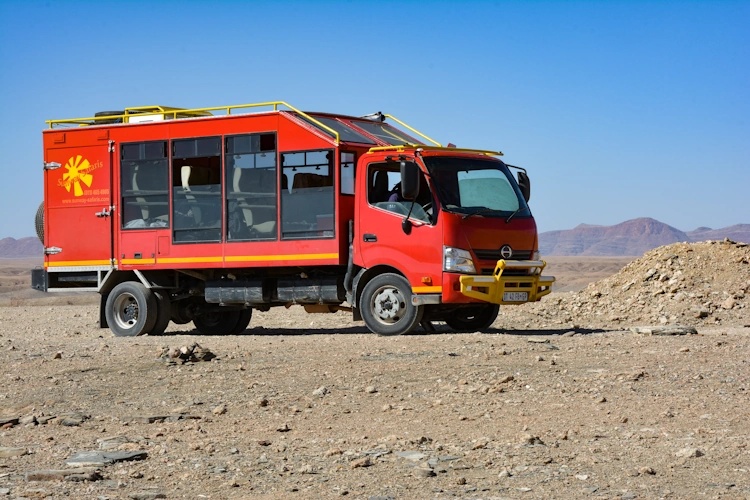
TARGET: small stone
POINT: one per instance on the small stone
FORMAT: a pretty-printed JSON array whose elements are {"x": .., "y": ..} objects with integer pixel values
[
  {"x": 79, "y": 474},
  {"x": 601, "y": 399},
  {"x": 729, "y": 303},
  {"x": 646, "y": 471},
  {"x": 333, "y": 452},
  {"x": 370, "y": 389},
  {"x": 7, "y": 452},
  {"x": 100, "y": 458},
  {"x": 58, "y": 355},
  {"x": 689, "y": 453},
  {"x": 414, "y": 456},
  {"x": 284, "y": 428},
  {"x": 581, "y": 477},
  {"x": 361, "y": 462},
  {"x": 263, "y": 402},
  {"x": 423, "y": 472},
  {"x": 507, "y": 378},
  {"x": 527, "y": 438},
  {"x": 664, "y": 330},
  {"x": 321, "y": 391},
  {"x": 504, "y": 473},
  {"x": 219, "y": 410},
  {"x": 147, "y": 495},
  {"x": 264, "y": 442},
  {"x": 538, "y": 340},
  {"x": 28, "y": 419},
  {"x": 461, "y": 480},
  {"x": 480, "y": 444}
]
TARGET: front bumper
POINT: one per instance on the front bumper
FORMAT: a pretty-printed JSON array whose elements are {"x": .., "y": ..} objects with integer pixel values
[{"x": 499, "y": 289}]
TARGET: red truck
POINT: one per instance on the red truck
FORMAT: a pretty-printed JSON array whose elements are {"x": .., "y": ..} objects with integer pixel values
[{"x": 205, "y": 214}]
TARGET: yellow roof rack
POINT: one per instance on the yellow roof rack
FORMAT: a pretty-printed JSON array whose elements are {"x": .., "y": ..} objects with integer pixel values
[
  {"x": 404, "y": 147},
  {"x": 136, "y": 114}
]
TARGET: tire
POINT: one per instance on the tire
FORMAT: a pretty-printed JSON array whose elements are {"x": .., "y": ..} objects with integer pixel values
[
  {"x": 163, "y": 312},
  {"x": 217, "y": 322},
  {"x": 130, "y": 309},
  {"x": 386, "y": 305},
  {"x": 472, "y": 319},
  {"x": 39, "y": 222},
  {"x": 180, "y": 312},
  {"x": 245, "y": 316}
]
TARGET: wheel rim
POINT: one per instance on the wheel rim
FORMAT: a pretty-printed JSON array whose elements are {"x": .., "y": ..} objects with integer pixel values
[
  {"x": 388, "y": 305},
  {"x": 127, "y": 311}
]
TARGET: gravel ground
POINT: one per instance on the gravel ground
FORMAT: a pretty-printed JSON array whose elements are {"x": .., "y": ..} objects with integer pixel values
[{"x": 559, "y": 404}]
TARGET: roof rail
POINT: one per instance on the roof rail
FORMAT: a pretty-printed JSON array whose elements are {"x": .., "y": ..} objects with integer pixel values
[
  {"x": 404, "y": 147},
  {"x": 174, "y": 113},
  {"x": 412, "y": 129}
]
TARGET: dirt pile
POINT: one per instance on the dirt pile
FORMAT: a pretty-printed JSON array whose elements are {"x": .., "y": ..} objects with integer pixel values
[{"x": 696, "y": 284}]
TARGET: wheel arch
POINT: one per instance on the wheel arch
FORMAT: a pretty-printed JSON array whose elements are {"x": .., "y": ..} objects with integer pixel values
[{"x": 365, "y": 275}]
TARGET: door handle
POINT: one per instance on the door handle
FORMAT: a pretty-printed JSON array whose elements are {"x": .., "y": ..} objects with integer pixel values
[
  {"x": 104, "y": 213},
  {"x": 370, "y": 238}
]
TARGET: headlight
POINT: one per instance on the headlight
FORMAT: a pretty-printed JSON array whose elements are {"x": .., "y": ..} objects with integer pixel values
[
  {"x": 457, "y": 260},
  {"x": 537, "y": 255}
]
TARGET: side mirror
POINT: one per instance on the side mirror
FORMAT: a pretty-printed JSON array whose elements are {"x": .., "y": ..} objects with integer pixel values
[
  {"x": 409, "y": 180},
  {"x": 525, "y": 185}
]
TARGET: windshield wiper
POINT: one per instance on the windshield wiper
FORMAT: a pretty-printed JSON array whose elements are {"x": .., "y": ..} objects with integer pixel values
[
  {"x": 480, "y": 211},
  {"x": 516, "y": 212}
]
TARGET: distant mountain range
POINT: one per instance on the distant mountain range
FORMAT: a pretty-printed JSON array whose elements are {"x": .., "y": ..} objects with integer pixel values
[
  {"x": 633, "y": 237},
  {"x": 11, "y": 248}
]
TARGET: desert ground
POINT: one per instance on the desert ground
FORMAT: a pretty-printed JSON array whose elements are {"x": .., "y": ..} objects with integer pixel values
[{"x": 561, "y": 399}]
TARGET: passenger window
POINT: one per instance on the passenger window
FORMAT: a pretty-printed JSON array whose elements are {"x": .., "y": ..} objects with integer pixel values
[
  {"x": 307, "y": 196},
  {"x": 144, "y": 180},
  {"x": 384, "y": 192},
  {"x": 347, "y": 172},
  {"x": 196, "y": 185},
  {"x": 251, "y": 187}
]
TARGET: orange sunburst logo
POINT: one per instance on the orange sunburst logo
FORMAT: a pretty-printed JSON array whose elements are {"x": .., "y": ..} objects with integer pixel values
[{"x": 78, "y": 168}]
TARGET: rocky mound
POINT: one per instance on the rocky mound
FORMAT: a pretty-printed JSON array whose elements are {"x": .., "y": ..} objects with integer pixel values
[{"x": 680, "y": 284}]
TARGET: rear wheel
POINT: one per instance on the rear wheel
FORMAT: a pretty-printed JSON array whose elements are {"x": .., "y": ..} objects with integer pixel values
[
  {"x": 130, "y": 309},
  {"x": 163, "y": 312},
  {"x": 245, "y": 316},
  {"x": 473, "y": 318},
  {"x": 217, "y": 322},
  {"x": 386, "y": 305}
]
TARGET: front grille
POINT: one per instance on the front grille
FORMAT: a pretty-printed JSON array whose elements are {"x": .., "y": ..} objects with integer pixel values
[
  {"x": 487, "y": 271},
  {"x": 495, "y": 254}
]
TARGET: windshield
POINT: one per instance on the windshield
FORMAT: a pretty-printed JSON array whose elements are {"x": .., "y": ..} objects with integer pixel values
[{"x": 471, "y": 186}]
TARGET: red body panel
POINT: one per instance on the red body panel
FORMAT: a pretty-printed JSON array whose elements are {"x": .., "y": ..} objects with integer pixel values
[{"x": 74, "y": 193}]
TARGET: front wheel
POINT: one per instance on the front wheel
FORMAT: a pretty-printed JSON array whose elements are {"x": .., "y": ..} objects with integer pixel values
[
  {"x": 474, "y": 318},
  {"x": 386, "y": 305},
  {"x": 130, "y": 309}
]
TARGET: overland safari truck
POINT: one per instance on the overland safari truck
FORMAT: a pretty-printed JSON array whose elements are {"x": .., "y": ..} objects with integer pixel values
[{"x": 205, "y": 214}]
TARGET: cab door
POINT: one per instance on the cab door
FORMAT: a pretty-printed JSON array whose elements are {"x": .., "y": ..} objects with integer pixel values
[
  {"x": 78, "y": 197},
  {"x": 382, "y": 240}
]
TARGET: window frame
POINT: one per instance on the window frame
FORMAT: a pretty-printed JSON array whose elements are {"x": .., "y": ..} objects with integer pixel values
[
  {"x": 221, "y": 196},
  {"x": 290, "y": 184},
  {"x": 276, "y": 193},
  {"x": 167, "y": 159}
]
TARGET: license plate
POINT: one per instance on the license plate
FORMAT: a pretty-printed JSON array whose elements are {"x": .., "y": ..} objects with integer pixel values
[{"x": 515, "y": 297}]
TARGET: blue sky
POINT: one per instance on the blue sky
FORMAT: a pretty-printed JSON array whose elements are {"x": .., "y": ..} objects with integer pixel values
[{"x": 617, "y": 109}]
